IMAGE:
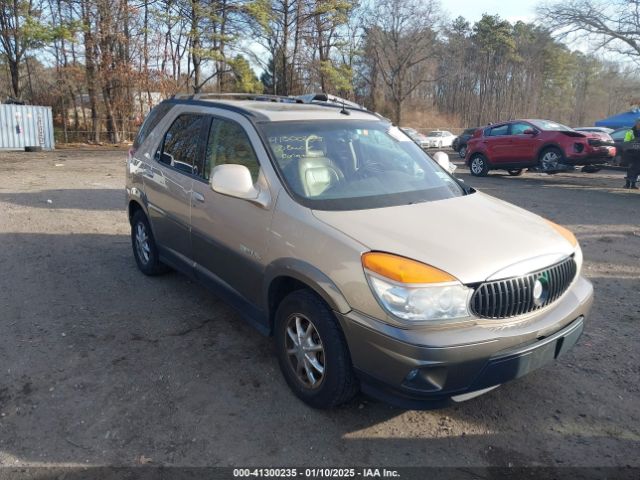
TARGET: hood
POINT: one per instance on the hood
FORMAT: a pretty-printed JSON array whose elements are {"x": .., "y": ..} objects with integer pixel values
[
  {"x": 471, "y": 237},
  {"x": 573, "y": 133},
  {"x": 599, "y": 136}
]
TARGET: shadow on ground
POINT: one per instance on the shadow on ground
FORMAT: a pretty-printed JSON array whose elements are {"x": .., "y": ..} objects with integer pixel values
[
  {"x": 79, "y": 199},
  {"x": 107, "y": 366}
]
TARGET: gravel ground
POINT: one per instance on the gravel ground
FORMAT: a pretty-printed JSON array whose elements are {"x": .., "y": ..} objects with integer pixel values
[{"x": 104, "y": 366}]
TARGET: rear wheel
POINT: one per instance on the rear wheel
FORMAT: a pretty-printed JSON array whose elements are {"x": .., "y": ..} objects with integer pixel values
[
  {"x": 312, "y": 352},
  {"x": 144, "y": 246},
  {"x": 550, "y": 159},
  {"x": 478, "y": 166},
  {"x": 516, "y": 172}
]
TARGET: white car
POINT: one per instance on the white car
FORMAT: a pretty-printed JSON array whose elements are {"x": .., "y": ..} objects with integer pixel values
[{"x": 439, "y": 139}]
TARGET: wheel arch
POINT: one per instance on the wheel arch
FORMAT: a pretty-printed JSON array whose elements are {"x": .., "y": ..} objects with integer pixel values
[
  {"x": 479, "y": 153},
  {"x": 549, "y": 145},
  {"x": 133, "y": 207},
  {"x": 287, "y": 275}
]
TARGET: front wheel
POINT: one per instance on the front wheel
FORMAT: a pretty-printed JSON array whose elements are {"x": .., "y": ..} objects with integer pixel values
[
  {"x": 478, "y": 166},
  {"x": 312, "y": 352},
  {"x": 515, "y": 172},
  {"x": 463, "y": 151},
  {"x": 550, "y": 159}
]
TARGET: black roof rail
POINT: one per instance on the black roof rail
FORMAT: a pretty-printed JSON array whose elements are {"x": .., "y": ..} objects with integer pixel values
[
  {"x": 237, "y": 96},
  {"x": 322, "y": 98}
]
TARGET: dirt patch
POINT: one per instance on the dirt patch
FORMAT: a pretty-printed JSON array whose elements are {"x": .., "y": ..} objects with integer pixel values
[{"x": 102, "y": 365}]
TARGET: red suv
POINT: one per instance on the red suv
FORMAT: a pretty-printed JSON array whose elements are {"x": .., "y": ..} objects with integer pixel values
[{"x": 547, "y": 145}]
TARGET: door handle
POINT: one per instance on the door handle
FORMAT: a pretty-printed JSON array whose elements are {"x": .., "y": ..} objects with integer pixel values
[{"x": 198, "y": 196}]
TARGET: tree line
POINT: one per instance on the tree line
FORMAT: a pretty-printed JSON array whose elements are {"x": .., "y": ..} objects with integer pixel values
[{"x": 101, "y": 64}]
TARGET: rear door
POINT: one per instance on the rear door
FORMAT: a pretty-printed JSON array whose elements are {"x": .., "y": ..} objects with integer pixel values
[
  {"x": 230, "y": 235},
  {"x": 497, "y": 142},
  {"x": 168, "y": 184}
]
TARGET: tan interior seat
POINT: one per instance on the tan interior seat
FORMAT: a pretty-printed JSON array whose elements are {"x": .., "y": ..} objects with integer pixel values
[{"x": 317, "y": 172}]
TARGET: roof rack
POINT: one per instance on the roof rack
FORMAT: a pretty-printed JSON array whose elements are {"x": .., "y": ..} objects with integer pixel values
[
  {"x": 320, "y": 99},
  {"x": 237, "y": 96}
]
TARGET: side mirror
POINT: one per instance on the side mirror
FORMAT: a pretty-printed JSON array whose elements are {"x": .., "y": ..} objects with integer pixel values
[
  {"x": 235, "y": 181},
  {"x": 530, "y": 131}
]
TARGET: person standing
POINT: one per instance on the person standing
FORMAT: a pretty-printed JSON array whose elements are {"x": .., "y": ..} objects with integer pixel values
[{"x": 631, "y": 154}]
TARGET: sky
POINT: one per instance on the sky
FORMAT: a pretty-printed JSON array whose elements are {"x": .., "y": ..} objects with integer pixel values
[{"x": 472, "y": 10}]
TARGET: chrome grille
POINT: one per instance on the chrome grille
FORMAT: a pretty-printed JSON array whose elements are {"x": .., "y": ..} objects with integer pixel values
[{"x": 514, "y": 296}]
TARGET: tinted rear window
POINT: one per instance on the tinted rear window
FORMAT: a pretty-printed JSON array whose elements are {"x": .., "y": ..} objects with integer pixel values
[
  {"x": 497, "y": 131},
  {"x": 154, "y": 117}
]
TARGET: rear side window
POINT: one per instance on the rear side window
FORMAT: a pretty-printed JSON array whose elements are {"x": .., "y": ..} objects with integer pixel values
[
  {"x": 182, "y": 148},
  {"x": 499, "y": 130},
  {"x": 154, "y": 117},
  {"x": 229, "y": 143}
]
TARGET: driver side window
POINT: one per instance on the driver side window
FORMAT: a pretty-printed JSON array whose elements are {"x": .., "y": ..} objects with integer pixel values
[
  {"x": 520, "y": 128},
  {"x": 229, "y": 143}
]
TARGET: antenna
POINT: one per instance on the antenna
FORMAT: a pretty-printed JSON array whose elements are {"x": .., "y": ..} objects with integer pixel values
[{"x": 344, "y": 111}]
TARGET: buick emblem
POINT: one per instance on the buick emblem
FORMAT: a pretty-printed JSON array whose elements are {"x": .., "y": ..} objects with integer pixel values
[{"x": 540, "y": 291}]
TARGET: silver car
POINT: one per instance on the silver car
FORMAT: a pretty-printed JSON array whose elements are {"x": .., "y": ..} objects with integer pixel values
[{"x": 329, "y": 229}]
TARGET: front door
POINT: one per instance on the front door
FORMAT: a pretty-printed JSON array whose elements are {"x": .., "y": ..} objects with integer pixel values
[
  {"x": 524, "y": 146},
  {"x": 168, "y": 184},
  {"x": 230, "y": 235}
]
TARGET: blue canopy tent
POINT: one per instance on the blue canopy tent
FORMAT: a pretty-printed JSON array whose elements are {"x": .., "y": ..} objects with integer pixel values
[{"x": 626, "y": 119}]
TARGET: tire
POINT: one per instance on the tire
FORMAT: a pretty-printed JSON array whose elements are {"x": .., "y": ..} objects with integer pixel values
[
  {"x": 478, "y": 165},
  {"x": 462, "y": 152},
  {"x": 144, "y": 246},
  {"x": 516, "y": 172},
  {"x": 549, "y": 159},
  {"x": 336, "y": 383}
]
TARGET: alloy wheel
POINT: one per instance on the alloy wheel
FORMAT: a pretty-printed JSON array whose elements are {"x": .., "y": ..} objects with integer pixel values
[
  {"x": 477, "y": 165},
  {"x": 550, "y": 160},
  {"x": 142, "y": 243},
  {"x": 305, "y": 351}
]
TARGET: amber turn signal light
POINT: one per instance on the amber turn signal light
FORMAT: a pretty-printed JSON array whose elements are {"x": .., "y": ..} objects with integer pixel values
[
  {"x": 404, "y": 270},
  {"x": 565, "y": 232}
]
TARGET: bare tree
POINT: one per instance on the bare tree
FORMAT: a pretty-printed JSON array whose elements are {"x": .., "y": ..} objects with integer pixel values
[
  {"x": 402, "y": 40},
  {"x": 16, "y": 37},
  {"x": 613, "y": 24}
]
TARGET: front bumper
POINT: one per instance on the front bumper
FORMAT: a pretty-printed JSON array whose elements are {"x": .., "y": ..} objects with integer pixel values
[
  {"x": 592, "y": 155},
  {"x": 425, "y": 368}
]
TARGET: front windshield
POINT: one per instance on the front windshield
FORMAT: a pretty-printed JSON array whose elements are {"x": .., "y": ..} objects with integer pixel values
[
  {"x": 352, "y": 165},
  {"x": 549, "y": 125},
  {"x": 434, "y": 134}
]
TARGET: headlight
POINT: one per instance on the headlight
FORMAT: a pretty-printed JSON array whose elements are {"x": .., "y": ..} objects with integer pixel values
[
  {"x": 413, "y": 291},
  {"x": 577, "y": 257}
]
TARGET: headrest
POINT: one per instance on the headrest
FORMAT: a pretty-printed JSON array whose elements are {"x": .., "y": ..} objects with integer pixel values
[{"x": 308, "y": 147}]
